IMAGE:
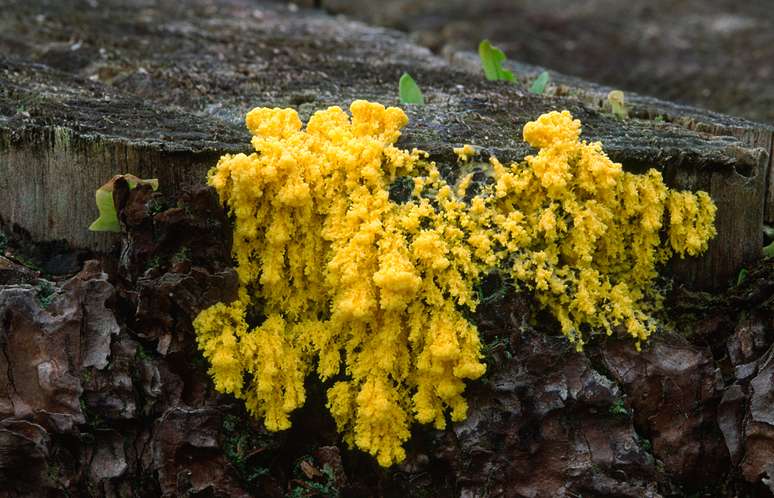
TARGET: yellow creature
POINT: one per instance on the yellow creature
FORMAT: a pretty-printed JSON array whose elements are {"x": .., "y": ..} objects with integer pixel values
[{"x": 371, "y": 292}]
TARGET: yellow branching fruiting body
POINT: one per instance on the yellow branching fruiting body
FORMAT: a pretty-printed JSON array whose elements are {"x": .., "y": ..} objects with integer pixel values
[{"x": 372, "y": 291}]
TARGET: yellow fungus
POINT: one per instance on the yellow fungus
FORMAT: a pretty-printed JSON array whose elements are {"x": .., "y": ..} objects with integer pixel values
[
  {"x": 372, "y": 291},
  {"x": 465, "y": 152}
]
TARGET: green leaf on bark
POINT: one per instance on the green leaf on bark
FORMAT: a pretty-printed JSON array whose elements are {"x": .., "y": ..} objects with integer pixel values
[
  {"x": 617, "y": 104},
  {"x": 108, "y": 218},
  {"x": 742, "y": 276},
  {"x": 492, "y": 59},
  {"x": 409, "y": 92},
  {"x": 539, "y": 85}
]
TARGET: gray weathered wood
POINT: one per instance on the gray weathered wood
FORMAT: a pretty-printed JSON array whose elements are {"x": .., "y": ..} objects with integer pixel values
[
  {"x": 744, "y": 195},
  {"x": 161, "y": 91}
]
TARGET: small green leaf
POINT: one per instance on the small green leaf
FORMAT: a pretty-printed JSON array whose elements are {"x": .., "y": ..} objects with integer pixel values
[
  {"x": 617, "y": 104},
  {"x": 492, "y": 59},
  {"x": 618, "y": 408},
  {"x": 409, "y": 91},
  {"x": 742, "y": 276},
  {"x": 539, "y": 85},
  {"x": 108, "y": 218},
  {"x": 768, "y": 251}
]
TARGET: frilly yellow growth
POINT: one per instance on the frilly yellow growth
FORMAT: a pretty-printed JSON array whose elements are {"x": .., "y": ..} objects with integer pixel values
[{"x": 371, "y": 291}]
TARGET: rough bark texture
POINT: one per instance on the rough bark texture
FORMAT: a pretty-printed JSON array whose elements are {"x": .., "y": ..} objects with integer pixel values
[
  {"x": 160, "y": 90},
  {"x": 717, "y": 55},
  {"x": 103, "y": 393}
]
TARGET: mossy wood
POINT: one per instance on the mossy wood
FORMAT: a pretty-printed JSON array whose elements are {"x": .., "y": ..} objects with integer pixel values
[
  {"x": 74, "y": 113},
  {"x": 745, "y": 195}
]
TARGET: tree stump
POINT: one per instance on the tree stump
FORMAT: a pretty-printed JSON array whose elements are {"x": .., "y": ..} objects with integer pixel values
[{"x": 160, "y": 92}]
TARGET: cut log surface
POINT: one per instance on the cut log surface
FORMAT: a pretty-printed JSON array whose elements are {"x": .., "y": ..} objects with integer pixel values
[
  {"x": 716, "y": 55},
  {"x": 160, "y": 90}
]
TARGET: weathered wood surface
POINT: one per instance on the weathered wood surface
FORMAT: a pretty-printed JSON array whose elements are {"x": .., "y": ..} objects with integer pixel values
[
  {"x": 715, "y": 55},
  {"x": 745, "y": 199},
  {"x": 720, "y": 56},
  {"x": 159, "y": 90},
  {"x": 754, "y": 134}
]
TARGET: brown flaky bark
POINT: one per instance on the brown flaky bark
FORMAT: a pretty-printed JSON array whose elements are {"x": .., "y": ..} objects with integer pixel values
[{"x": 103, "y": 391}]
